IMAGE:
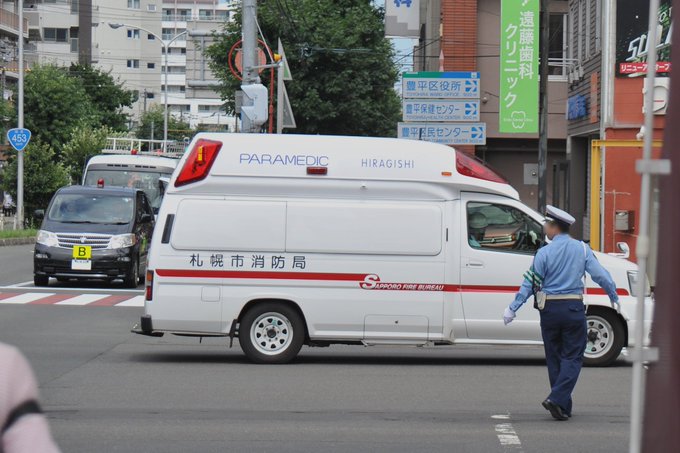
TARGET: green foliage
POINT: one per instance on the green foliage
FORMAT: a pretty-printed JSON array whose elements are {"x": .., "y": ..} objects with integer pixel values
[
  {"x": 108, "y": 96},
  {"x": 8, "y": 117},
  {"x": 341, "y": 62},
  {"x": 85, "y": 142},
  {"x": 177, "y": 129},
  {"x": 43, "y": 175},
  {"x": 54, "y": 105}
]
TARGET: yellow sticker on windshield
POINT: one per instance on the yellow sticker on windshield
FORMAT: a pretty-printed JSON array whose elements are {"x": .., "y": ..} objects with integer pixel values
[{"x": 82, "y": 252}]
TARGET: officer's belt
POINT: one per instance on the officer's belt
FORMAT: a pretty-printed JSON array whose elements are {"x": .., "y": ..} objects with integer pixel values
[{"x": 564, "y": 297}]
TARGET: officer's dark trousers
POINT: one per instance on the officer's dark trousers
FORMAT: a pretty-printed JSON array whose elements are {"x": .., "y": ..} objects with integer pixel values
[{"x": 563, "y": 326}]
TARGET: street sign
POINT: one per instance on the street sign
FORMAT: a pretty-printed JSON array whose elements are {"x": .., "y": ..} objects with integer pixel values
[
  {"x": 440, "y": 110},
  {"x": 444, "y": 133},
  {"x": 19, "y": 138},
  {"x": 286, "y": 69},
  {"x": 287, "y": 114},
  {"x": 440, "y": 85}
]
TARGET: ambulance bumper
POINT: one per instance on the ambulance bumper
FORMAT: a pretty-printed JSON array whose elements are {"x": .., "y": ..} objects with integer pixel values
[{"x": 145, "y": 327}]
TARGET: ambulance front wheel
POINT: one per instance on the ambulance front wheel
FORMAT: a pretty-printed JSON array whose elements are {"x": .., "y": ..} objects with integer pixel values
[
  {"x": 271, "y": 332},
  {"x": 606, "y": 337}
]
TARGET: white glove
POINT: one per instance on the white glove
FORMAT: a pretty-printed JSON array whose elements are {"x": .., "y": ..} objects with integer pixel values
[
  {"x": 616, "y": 306},
  {"x": 508, "y": 316}
]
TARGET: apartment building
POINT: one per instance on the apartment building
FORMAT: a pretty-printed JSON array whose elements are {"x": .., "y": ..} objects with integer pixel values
[
  {"x": 9, "y": 37},
  {"x": 465, "y": 35},
  {"x": 190, "y": 81}
]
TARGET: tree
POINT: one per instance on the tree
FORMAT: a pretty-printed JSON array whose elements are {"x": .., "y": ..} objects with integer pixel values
[
  {"x": 84, "y": 143},
  {"x": 55, "y": 104},
  {"x": 108, "y": 96},
  {"x": 177, "y": 129},
  {"x": 342, "y": 64},
  {"x": 43, "y": 175}
]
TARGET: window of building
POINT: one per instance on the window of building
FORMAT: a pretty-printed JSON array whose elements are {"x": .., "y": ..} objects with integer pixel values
[
  {"x": 151, "y": 7},
  {"x": 150, "y": 37},
  {"x": 133, "y": 64},
  {"x": 557, "y": 47},
  {"x": 598, "y": 26},
  {"x": 133, "y": 33},
  {"x": 55, "y": 34},
  {"x": 151, "y": 66},
  {"x": 205, "y": 14},
  {"x": 184, "y": 13},
  {"x": 168, "y": 13},
  {"x": 134, "y": 4},
  {"x": 222, "y": 15},
  {"x": 150, "y": 95}
]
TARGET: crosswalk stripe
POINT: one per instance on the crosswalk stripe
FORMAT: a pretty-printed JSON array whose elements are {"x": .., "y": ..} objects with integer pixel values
[
  {"x": 50, "y": 300},
  {"x": 137, "y": 301},
  {"x": 109, "y": 301},
  {"x": 25, "y": 298},
  {"x": 82, "y": 299}
]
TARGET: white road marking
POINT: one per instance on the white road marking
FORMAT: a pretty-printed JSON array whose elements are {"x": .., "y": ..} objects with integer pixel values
[
  {"x": 18, "y": 285},
  {"x": 82, "y": 299},
  {"x": 137, "y": 301},
  {"x": 25, "y": 298},
  {"x": 53, "y": 290},
  {"x": 507, "y": 435}
]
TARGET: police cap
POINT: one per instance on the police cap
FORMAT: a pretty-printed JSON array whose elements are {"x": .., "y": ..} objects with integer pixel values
[{"x": 559, "y": 216}]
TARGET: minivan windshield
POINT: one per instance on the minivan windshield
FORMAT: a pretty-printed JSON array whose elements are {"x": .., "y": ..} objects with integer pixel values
[
  {"x": 106, "y": 209},
  {"x": 146, "y": 181}
]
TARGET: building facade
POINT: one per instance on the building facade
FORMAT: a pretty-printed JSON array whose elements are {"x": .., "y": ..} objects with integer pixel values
[{"x": 464, "y": 35}]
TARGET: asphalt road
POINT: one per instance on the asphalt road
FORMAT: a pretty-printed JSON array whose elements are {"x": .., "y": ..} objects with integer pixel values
[{"x": 105, "y": 389}]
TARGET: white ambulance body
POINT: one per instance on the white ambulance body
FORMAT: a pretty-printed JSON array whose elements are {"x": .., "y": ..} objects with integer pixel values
[{"x": 284, "y": 240}]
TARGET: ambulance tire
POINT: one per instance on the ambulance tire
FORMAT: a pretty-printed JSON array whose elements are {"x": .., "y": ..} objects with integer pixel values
[
  {"x": 269, "y": 326},
  {"x": 606, "y": 337}
]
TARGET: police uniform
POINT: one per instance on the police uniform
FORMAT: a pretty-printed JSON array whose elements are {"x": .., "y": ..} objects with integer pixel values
[{"x": 558, "y": 271}]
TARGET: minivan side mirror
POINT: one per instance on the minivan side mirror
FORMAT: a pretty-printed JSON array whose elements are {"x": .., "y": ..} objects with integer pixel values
[
  {"x": 146, "y": 218},
  {"x": 39, "y": 214}
]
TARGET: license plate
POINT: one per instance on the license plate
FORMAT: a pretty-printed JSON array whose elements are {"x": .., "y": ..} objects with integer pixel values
[
  {"x": 82, "y": 252},
  {"x": 81, "y": 265}
]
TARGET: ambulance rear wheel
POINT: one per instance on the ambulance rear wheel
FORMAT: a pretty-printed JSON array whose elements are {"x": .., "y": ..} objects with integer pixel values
[
  {"x": 606, "y": 337},
  {"x": 271, "y": 332}
]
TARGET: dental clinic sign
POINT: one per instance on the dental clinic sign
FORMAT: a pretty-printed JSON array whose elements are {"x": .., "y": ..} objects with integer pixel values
[{"x": 519, "y": 66}]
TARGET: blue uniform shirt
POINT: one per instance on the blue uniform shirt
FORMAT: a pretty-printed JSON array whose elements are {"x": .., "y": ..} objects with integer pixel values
[{"x": 561, "y": 266}]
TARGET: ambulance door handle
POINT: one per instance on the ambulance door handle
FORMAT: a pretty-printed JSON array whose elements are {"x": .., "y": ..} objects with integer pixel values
[{"x": 474, "y": 264}]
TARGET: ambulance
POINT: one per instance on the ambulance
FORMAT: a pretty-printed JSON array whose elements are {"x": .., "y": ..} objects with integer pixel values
[{"x": 283, "y": 241}]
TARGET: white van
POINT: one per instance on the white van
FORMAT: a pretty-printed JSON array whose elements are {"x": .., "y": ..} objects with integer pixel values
[
  {"x": 146, "y": 172},
  {"x": 284, "y": 240}
]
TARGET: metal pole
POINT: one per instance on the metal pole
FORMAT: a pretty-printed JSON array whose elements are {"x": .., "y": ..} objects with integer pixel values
[
  {"x": 642, "y": 249},
  {"x": 249, "y": 53},
  {"x": 20, "y": 115},
  {"x": 153, "y": 124},
  {"x": 279, "y": 97},
  {"x": 543, "y": 107},
  {"x": 165, "y": 103}
]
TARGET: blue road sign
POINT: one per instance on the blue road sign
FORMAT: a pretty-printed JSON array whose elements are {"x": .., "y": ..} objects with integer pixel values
[
  {"x": 444, "y": 133},
  {"x": 440, "y": 110},
  {"x": 19, "y": 138},
  {"x": 440, "y": 85}
]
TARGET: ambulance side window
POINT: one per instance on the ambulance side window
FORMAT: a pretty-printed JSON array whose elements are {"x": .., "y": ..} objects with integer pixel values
[{"x": 502, "y": 228}]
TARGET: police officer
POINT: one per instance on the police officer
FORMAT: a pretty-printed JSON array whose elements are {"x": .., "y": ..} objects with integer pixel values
[{"x": 556, "y": 278}]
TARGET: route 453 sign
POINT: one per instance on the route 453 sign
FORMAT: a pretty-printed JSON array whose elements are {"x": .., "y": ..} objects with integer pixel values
[{"x": 19, "y": 138}]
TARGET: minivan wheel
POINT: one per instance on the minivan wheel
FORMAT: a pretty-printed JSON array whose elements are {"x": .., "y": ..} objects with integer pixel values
[
  {"x": 606, "y": 336},
  {"x": 271, "y": 333},
  {"x": 132, "y": 278},
  {"x": 41, "y": 280}
]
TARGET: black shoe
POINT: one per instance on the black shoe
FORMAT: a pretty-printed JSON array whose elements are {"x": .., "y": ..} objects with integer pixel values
[{"x": 555, "y": 410}]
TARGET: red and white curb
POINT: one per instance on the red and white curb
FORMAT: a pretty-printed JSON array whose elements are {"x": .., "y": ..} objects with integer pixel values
[{"x": 73, "y": 299}]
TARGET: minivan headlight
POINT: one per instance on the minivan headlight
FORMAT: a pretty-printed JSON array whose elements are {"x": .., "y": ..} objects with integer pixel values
[
  {"x": 47, "y": 238},
  {"x": 120, "y": 241},
  {"x": 633, "y": 282}
]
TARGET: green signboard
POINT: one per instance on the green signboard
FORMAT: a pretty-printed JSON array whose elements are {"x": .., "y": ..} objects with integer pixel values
[{"x": 518, "y": 111}]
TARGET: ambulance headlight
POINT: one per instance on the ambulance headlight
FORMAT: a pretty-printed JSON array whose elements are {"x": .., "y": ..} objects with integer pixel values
[
  {"x": 120, "y": 241},
  {"x": 47, "y": 238},
  {"x": 633, "y": 282}
]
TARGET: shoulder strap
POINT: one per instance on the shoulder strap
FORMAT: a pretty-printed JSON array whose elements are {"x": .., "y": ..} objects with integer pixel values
[{"x": 26, "y": 408}]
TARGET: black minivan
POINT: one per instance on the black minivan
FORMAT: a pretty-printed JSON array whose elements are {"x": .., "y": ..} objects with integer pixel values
[{"x": 94, "y": 233}]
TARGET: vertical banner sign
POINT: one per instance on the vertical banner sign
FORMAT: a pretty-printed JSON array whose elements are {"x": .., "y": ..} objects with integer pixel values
[
  {"x": 519, "y": 66},
  {"x": 402, "y": 18}
]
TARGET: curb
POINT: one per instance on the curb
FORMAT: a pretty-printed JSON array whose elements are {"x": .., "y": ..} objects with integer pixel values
[{"x": 16, "y": 241}]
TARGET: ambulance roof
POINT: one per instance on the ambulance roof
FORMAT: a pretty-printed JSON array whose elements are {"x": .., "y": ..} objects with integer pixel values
[
  {"x": 133, "y": 161},
  {"x": 357, "y": 158}
]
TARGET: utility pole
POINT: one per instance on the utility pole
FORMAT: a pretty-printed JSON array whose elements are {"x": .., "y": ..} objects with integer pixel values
[
  {"x": 145, "y": 100},
  {"x": 152, "y": 131},
  {"x": 20, "y": 114},
  {"x": 254, "y": 110},
  {"x": 543, "y": 106}
]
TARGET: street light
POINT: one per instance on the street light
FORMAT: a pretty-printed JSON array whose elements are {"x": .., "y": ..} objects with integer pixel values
[{"x": 166, "y": 46}]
